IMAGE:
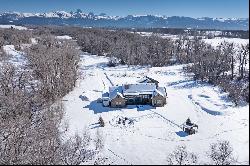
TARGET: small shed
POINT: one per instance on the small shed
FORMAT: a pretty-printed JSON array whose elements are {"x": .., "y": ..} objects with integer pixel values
[{"x": 147, "y": 79}]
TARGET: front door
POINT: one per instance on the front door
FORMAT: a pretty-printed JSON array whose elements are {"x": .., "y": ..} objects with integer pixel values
[{"x": 138, "y": 100}]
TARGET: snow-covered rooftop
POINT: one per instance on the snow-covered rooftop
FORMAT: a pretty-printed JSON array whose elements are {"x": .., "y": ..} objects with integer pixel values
[
  {"x": 114, "y": 91},
  {"x": 161, "y": 91},
  {"x": 139, "y": 88}
]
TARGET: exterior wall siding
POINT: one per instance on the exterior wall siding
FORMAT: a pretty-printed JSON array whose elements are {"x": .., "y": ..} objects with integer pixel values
[
  {"x": 141, "y": 99},
  {"x": 118, "y": 102},
  {"x": 158, "y": 101}
]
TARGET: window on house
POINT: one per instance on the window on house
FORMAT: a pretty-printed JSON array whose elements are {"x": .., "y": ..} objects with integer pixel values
[{"x": 158, "y": 102}]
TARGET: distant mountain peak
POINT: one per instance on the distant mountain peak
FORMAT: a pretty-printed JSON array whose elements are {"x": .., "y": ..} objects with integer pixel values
[{"x": 80, "y": 18}]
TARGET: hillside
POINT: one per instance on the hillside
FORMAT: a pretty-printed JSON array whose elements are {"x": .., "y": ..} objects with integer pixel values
[
  {"x": 80, "y": 18},
  {"x": 51, "y": 91},
  {"x": 155, "y": 132}
]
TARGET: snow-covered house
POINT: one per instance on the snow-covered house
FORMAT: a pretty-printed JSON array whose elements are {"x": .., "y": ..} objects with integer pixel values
[{"x": 139, "y": 93}]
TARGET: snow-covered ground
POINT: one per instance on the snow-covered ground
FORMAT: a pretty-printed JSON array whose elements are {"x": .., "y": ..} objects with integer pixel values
[
  {"x": 164, "y": 36},
  {"x": 14, "y": 26},
  {"x": 217, "y": 40},
  {"x": 155, "y": 132},
  {"x": 64, "y": 37},
  {"x": 16, "y": 58},
  {"x": 214, "y": 41}
]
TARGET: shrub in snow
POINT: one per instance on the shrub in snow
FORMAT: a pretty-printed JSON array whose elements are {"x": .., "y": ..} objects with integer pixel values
[
  {"x": 122, "y": 62},
  {"x": 17, "y": 47},
  {"x": 221, "y": 153},
  {"x": 101, "y": 122},
  {"x": 99, "y": 140},
  {"x": 181, "y": 156},
  {"x": 83, "y": 98},
  {"x": 100, "y": 160},
  {"x": 113, "y": 62},
  {"x": 125, "y": 121}
]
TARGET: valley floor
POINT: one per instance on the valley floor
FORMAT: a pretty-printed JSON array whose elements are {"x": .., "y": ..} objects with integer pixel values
[{"x": 155, "y": 132}]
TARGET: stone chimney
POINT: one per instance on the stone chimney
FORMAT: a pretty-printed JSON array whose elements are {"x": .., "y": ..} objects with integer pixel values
[{"x": 126, "y": 86}]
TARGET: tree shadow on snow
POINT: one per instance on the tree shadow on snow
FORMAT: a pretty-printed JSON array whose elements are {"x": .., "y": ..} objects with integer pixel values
[
  {"x": 95, "y": 125},
  {"x": 99, "y": 108},
  {"x": 181, "y": 133}
]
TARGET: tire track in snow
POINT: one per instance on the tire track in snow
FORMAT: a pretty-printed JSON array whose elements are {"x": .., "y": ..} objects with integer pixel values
[
  {"x": 137, "y": 132},
  {"x": 172, "y": 140},
  {"x": 171, "y": 122},
  {"x": 119, "y": 157},
  {"x": 108, "y": 78},
  {"x": 101, "y": 75},
  {"x": 199, "y": 112}
]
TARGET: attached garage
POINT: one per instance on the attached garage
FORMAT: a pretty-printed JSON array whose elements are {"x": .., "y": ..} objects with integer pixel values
[
  {"x": 118, "y": 101},
  {"x": 158, "y": 100}
]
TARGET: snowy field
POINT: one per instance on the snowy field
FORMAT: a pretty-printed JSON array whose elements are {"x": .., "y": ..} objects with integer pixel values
[
  {"x": 214, "y": 41},
  {"x": 13, "y": 26},
  {"x": 217, "y": 40},
  {"x": 155, "y": 132},
  {"x": 64, "y": 37},
  {"x": 15, "y": 57}
]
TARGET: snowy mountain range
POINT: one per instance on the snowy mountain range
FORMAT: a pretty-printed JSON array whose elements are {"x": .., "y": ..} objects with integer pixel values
[{"x": 80, "y": 18}]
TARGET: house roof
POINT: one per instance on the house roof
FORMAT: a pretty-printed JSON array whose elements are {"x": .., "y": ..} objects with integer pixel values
[
  {"x": 161, "y": 91},
  {"x": 142, "y": 88},
  {"x": 114, "y": 91},
  {"x": 115, "y": 94},
  {"x": 135, "y": 89}
]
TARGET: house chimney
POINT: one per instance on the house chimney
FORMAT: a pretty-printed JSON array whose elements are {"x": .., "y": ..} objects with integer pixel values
[{"x": 126, "y": 86}]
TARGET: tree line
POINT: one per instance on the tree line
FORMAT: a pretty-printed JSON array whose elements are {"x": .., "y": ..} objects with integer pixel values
[
  {"x": 32, "y": 130},
  {"x": 225, "y": 65}
]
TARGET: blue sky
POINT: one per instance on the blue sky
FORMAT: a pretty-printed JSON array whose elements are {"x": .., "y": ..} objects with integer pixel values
[{"x": 191, "y": 8}]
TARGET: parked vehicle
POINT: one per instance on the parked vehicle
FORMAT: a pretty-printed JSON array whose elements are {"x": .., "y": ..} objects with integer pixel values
[{"x": 189, "y": 127}]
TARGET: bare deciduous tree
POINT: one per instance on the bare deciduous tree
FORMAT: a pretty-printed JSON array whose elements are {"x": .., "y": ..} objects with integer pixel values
[
  {"x": 221, "y": 153},
  {"x": 99, "y": 140},
  {"x": 31, "y": 127},
  {"x": 180, "y": 156}
]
